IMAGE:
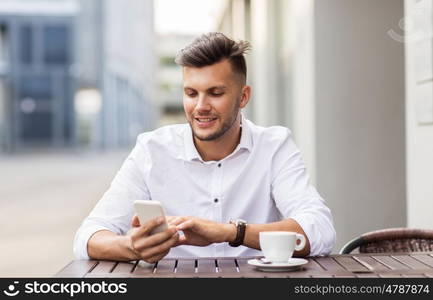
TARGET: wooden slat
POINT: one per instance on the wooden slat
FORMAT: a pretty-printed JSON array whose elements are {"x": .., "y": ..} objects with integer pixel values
[
  {"x": 312, "y": 269},
  {"x": 109, "y": 269},
  {"x": 143, "y": 269},
  {"x": 389, "y": 275},
  {"x": 296, "y": 274},
  {"x": 351, "y": 264},
  {"x": 405, "y": 272},
  {"x": 185, "y": 266},
  {"x": 278, "y": 274},
  {"x": 391, "y": 262},
  {"x": 103, "y": 267},
  {"x": 124, "y": 267},
  {"x": 414, "y": 275},
  {"x": 371, "y": 275},
  {"x": 329, "y": 264},
  {"x": 108, "y": 275},
  {"x": 371, "y": 263},
  {"x": 410, "y": 261},
  {"x": 165, "y": 267},
  {"x": 227, "y": 266},
  {"x": 206, "y": 266},
  {"x": 77, "y": 268},
  {"x": 424, "y": 258},
  {"x": 247, "y": 270},
  {"x": 313, "y": 266},
  {"x": 383, "y": 265}
]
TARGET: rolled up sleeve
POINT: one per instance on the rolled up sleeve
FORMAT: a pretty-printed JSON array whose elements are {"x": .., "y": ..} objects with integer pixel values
[
  {"x": 114, "y": 210},
  {"x": 297, "y": 199}
]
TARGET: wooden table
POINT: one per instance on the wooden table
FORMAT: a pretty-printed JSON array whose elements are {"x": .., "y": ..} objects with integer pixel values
[{"x": 352, "y": 265}]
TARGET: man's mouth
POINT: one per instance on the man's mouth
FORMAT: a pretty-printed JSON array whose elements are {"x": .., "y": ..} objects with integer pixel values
[{"x": 205, "y": 121}]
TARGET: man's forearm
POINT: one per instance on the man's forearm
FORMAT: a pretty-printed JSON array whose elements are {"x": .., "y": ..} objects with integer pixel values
[
  {"x": 105, "y": 244},
  {"x": 251, "y": 238}
]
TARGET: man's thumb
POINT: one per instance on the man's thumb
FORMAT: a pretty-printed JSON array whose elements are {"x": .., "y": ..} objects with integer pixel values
[{"x": 135, "y": 221}]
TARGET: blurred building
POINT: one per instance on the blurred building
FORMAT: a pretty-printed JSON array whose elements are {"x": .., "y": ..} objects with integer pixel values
[
  {"x": 169, "y": 85},
  {"x": 75, "y": 72},
  {"x": 329, "y": 71},
  {"x": 116, "y": 73},
  {"x": 36, "y": 86}
]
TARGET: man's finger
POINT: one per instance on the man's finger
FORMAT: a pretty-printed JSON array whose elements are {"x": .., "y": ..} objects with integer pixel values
[
  {"x": 155, "y": 239},
  {"x": 177, "y": 220},
  {"x": 161, "y": 248},
  {"x": 189, "y": 224},
  {"x": 170, "y": 218},
  {"x": 135, "y": 221},
  {"x": 182, "y": 240}
]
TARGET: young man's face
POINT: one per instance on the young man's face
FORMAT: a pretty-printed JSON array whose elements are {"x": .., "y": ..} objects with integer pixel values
[{"x": 212, "y": 97}]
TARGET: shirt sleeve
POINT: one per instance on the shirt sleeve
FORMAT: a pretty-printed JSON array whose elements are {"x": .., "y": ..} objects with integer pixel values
[
  {"x": 114, "y": 210},
  {"x": 297, "y": 199}
]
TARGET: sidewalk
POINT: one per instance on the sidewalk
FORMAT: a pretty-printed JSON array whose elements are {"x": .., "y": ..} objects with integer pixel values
[{"x": 43, "y": 199}]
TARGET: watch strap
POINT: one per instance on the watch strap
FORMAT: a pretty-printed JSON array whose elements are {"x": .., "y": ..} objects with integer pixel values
[{"x": 240, "y": 233}]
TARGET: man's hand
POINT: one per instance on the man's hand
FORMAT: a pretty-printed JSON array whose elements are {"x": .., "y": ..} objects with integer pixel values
[
  {"x": 200, "y": 232},
  {"x": 151, "y": 248}
]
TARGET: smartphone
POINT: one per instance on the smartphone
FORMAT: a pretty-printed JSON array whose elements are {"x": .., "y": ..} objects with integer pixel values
[{"x": 149, "y": 209}]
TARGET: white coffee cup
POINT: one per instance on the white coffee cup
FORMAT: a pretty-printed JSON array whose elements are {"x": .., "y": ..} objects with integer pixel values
[{"x": 278, "y": 246}]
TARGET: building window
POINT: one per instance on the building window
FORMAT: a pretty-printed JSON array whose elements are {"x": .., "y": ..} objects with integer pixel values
[
  {"x": 3, "y": 45},
  {"x": 56, "y": 45},
  {"x": 37, "y": 87},
  {"x": 26, "y": 44}
]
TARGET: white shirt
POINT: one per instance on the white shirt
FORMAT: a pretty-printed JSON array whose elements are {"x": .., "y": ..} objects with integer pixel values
[{"x": 264, "y": 180}]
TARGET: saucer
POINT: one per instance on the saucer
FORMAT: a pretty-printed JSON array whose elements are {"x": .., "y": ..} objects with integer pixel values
[{"x": 292, "y": 264}]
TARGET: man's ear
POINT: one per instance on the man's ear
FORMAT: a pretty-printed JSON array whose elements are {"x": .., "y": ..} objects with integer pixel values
[{"x": 245, "y": 97}]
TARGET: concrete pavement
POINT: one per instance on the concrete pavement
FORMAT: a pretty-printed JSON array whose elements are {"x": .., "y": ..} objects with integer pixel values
[{"x": 44, "y": 196}]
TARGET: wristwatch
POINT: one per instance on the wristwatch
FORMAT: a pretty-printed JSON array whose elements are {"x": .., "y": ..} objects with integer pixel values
[{"x": 240, "y": 232}]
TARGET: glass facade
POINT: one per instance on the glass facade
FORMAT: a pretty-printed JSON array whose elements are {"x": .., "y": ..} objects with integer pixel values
[
  {"x": 39, "y": 105},
  {"x": 36, "y": 114},
  {"x": 56, "y": 43},
  {"x": 26, "y": 44}
]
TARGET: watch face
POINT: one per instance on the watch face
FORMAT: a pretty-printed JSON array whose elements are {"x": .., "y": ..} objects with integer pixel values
[{"x": 240, "y": 221}]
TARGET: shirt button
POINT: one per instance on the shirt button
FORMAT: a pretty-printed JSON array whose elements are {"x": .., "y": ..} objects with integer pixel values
[
  {"x": 215, "y": 200},
  {"x": 219, "y": 165}
]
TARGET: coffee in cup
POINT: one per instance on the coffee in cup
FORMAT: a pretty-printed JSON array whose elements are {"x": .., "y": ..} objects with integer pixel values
[{"x": 278, "y": 246}]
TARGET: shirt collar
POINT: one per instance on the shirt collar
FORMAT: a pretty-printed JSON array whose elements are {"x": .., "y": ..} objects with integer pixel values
[{"x": 246, "y": 141}]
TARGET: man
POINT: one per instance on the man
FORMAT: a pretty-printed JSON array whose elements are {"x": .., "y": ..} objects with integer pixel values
[{"x": 210, "y": 175}]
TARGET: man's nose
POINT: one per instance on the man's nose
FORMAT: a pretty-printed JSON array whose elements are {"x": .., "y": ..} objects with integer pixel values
[{"x": 203, "y": 104}]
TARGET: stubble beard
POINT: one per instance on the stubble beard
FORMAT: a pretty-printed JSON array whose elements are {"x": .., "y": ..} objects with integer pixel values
[{"x": 224, "y": 128}]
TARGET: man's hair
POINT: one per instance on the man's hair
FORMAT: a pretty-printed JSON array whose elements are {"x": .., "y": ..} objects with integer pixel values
[{"x": 213, "y": 47}]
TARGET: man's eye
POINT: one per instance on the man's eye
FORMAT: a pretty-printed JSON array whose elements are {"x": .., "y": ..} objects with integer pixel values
[
  {"x": 217, "y": 94},
  {"x": 190, "y": 94}
]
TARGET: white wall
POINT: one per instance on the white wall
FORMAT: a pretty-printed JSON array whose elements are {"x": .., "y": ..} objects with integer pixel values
[
  {"x": 419, "y": 103},
  {"x": 301, "y": 31},
  {"x": 264, "y": 63},
  {"x": 328, "y": 70},
  {"x": 359, "y": 113}
]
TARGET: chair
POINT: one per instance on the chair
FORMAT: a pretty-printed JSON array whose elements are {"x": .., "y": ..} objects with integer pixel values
[{"x": 392, "y": 240}]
